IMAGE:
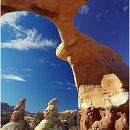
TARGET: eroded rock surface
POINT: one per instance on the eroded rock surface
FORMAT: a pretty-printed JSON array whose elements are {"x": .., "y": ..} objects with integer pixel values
[
  {"x": 69, "y": 112},
  {"x": 51, "y": 107},
  {"x": 41, "y": 125},
  {"x": 19, "y": 110},
  {"x": 100, "y": 74}
]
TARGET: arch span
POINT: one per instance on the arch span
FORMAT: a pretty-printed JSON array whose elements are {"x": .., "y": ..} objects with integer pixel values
[{"x": 101, "y": 76}]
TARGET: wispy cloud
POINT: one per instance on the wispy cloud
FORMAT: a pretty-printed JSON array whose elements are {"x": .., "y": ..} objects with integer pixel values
[
  {"x": 48, "y": 62},
  {"x": 36, "y": 15},
  {"x": 31, "y": 41},
  {"x": 12, "y": 77},
  {"x": 59, "y": 82},
  {"x": 78, "y": 26},
  {"x": 64, "y": 85},
  {"x": 125, "y": 8},
  {"x": 27, "y": 69},
  {"x": 25, "y": 39},
  {"x": 12, "y": 18},
  {"x": 71, "y": 84},
  {"x": 83, "y": 10},
  {"x": 99, "y": 15},
  {"x": 29, "y": 75},
  {"x": 42, "y": 60},
  {"x": 69, "y": 88}
]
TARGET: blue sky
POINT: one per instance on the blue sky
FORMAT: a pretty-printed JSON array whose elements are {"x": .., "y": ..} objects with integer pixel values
[{"x": 29, "y": 66}]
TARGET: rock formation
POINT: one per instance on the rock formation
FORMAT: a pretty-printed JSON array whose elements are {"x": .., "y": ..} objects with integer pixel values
[
  {"x": 51, "y": 107},
  {"x": 19, "y": 110},
  {"x": 100, "y": 74},
  {"x": 69, "y": 112}
]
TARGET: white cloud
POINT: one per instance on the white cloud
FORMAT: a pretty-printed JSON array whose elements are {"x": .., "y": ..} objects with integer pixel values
[
  {"x": 25, "y": 38},
  {"x": 125, "y": 8},
  {"x": 31, "y": 41},
  {"x": 69, "y": 88},
  {"x": 36, "y": 15},
  {"x": 12, "y": 18},
  {"x": 12, "y": 77},
  {"x": 27, "y": 69},
  {"x": 83, "y": 10}
]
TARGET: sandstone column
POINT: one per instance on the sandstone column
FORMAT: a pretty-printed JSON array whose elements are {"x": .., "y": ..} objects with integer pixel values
[
  {"x": 100, "y": 74},
  {"x": 19, "y": 110}
]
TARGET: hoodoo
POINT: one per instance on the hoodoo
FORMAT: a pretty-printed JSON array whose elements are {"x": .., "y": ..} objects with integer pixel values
[
  {"x": 19, "y": 110},
  {"x": 51, "y": 107}
]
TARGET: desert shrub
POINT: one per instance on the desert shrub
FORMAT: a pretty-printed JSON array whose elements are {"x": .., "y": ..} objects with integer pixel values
[
  {"x": 53, "y": 115},
  {"x": 5, "y": 117},
  {"x": 24, "y": 125},
  {"x": 57, "y": 122},
  {"x": 4, "y": 120},
  {"x": 54, "y": 123},
  {"x": 70, "y": 120},
  {"x": 37, "y": 119},
  {"x": 78, "y": 120}
]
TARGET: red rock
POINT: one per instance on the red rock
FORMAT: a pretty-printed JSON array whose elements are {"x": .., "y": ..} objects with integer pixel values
[
  {"x": 100, "y": 74},
  {"x": 19, "y": 110},
  {"x": 69, "y": 112},
  {"x": 17, "y": 116}
]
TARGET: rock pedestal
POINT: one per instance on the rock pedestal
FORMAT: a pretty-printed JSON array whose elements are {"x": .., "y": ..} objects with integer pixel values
[
  {"x": 19, "y": 110},
  {"x": 51, "y": 107},
  {"x": 100, "y": 74}
]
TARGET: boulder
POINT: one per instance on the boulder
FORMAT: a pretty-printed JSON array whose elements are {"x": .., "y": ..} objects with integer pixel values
[
  {"x": 41, "y": 125},
  {"x": 10, "y": 126}
]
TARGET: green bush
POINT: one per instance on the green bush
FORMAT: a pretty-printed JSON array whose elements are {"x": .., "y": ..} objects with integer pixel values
[
  {"x": 71, "y": 120},
  {"x": 57, "y": 122},
  {"x": 5, "y": 117},
  {"x": 24, "y": 125},
  {"x": 37, "y": 119},
  {"x": 53, "y": 121},
  {"x": 4, "y": 120}
]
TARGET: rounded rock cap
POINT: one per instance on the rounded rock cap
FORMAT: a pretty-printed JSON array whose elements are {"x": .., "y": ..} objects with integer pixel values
[{"x": 53, "y": 101}]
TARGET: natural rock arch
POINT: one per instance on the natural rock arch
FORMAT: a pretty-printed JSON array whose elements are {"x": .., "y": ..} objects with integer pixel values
[{"x": 100, "y": 74}]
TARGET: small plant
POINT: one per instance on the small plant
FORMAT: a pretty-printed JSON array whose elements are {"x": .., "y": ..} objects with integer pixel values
[{"x": 37, "y": 119}]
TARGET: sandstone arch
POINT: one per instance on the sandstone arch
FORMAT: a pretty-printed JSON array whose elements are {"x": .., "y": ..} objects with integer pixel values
[{"x": 101, "y": 76}]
